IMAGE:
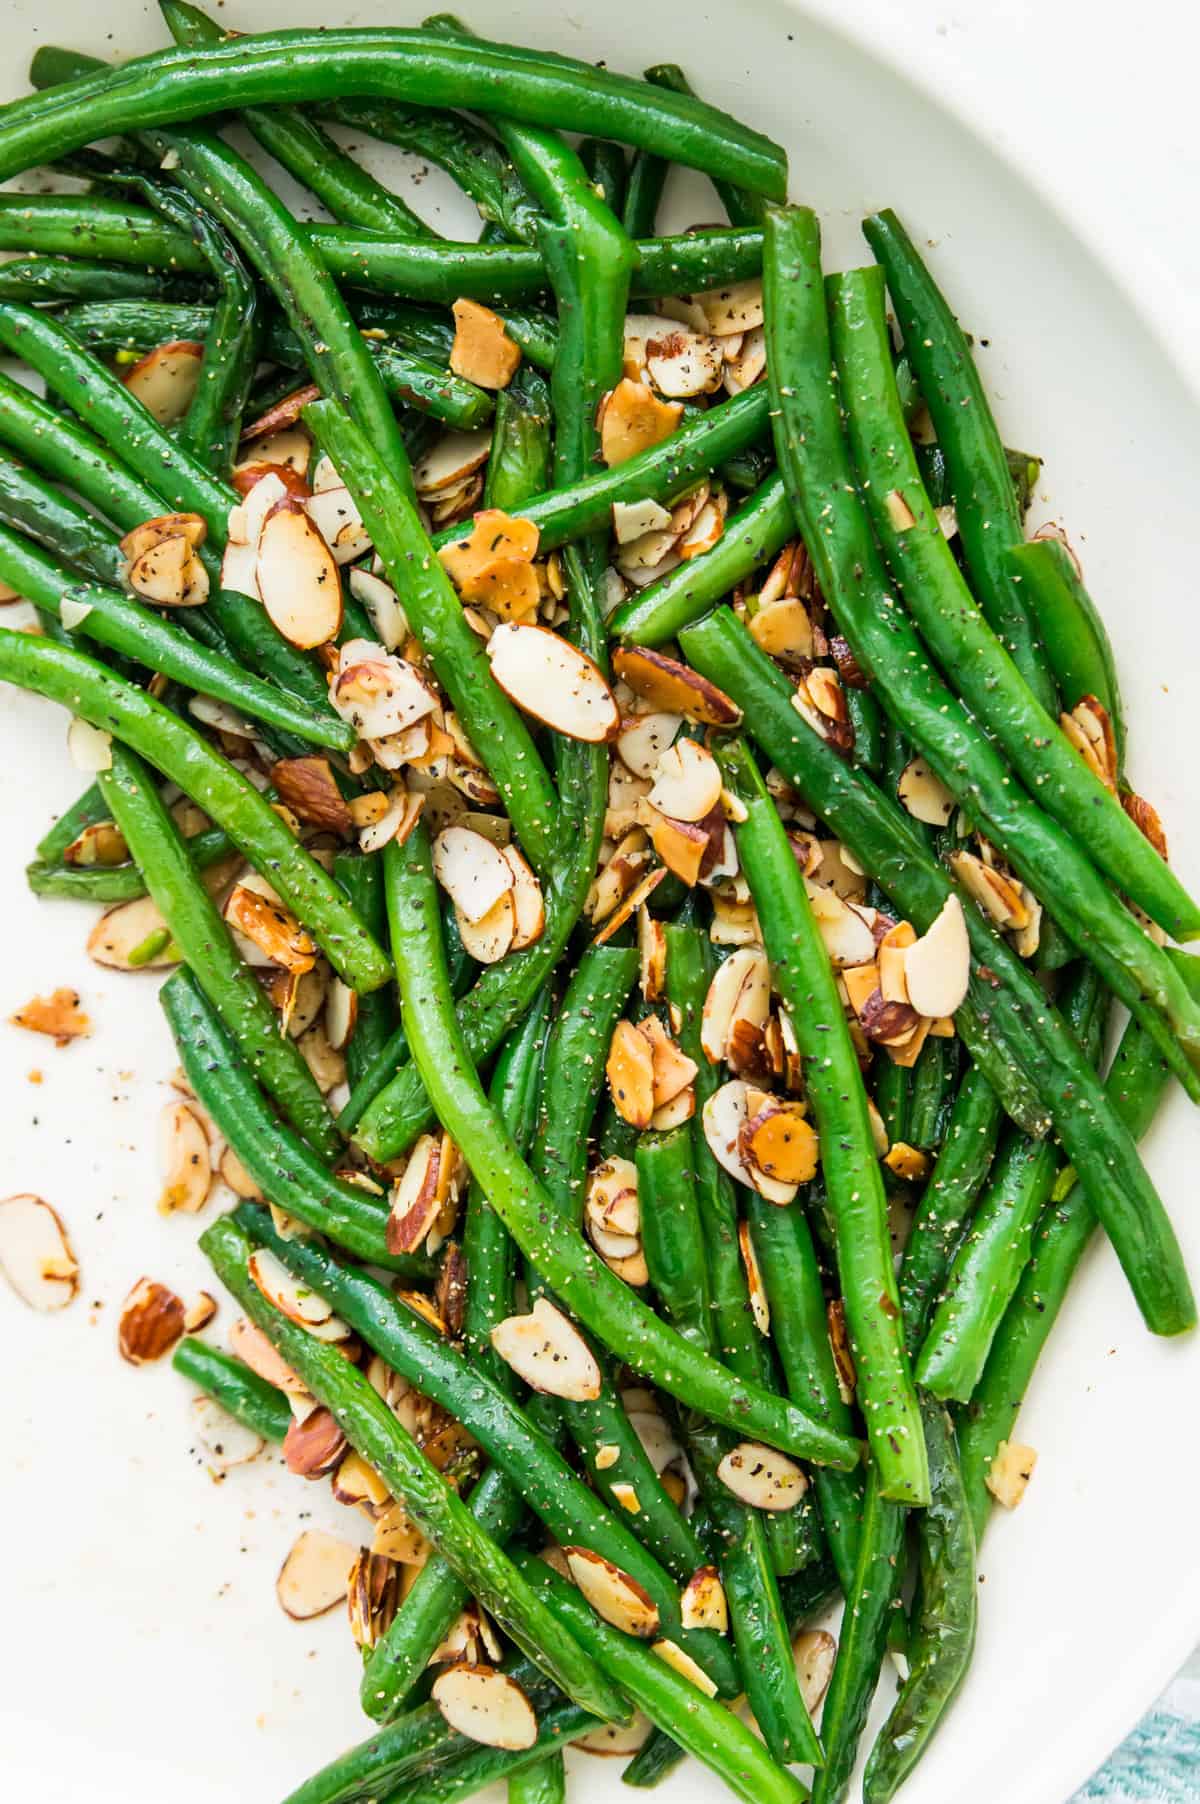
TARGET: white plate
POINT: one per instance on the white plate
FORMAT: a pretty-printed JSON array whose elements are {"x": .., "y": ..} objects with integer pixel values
[{"x": 145, "y": 1657}]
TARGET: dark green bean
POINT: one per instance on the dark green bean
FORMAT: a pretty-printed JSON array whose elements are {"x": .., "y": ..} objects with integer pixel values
[
  {"x": 742, "y": 207},
  {"x": 607, "y": 171},
  {"x": 933, "y": 1081},
  {"x": 1076, "y": 643},
  {"x": 95, "y": 225},
  {"x": 374, "y": 1022},
  {"x": 59, "y": 279},
  {"x": 558, "y": 1725},
  {"x": 671, "y": 1232},
  {"x": 84, "y": 811},
  {"x": 948, "y": 1197},
  {"x": 519, "y": 464},
  {"x": 235, "y": 1387}
]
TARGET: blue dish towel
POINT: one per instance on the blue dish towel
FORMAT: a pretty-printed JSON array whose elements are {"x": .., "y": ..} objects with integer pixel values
[{"x": 1160, "y": 1762}]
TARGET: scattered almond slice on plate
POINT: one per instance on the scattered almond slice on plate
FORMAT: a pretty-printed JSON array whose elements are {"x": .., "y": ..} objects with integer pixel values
[{"x": 36, "y": 1256}]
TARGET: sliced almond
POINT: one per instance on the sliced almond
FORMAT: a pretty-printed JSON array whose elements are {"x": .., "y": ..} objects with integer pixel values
[
  {"x": 843, "y": 927},
  {"x": 634, "y": 519},
  {"x": 254, "y": 1349},
  {"x": 415, "y": 1202},
  {"x": 759, "y": 1307},
  {"x": 682, "y": 363},
  {"x": 282, "y": 417},
  {"x": 547, "y": 677},
  {"x": 924, "y": 795},
  {"x": 632, "y": 419},
  {"x": 149, "y": 533},
  {"x": 57, "y": 1015},
  {"x": 643, "y": 740},
  {"x": 652, "y": 955},
  {"x": 482, "y": 351},
  {"x": 396, "y": 1538},
  {"x": 509, "y": 588},
  {"x": 937, "y": 968},
  {"x": 165, "y": 380},
  {"x": 341, "y": 1014},
  {"x": 671, "y": 1069},
  {"x": 893, "y": 954},
  {"x": 1090, "y": 730},
  {"x": 615, "y": 1738},
  {"x": 372, "y": 1598},
  {"x": 486, "y": 1706},
  {"x": 778, "y": 1143},
  {"x": 378, "y": 693},
  {"x": 271, "y": 927},
  {"x": 687, "y": 782},
  {"x": 613, "y": 1595},
  {"x": 631, "y": 1270},
  {"x": 702, "y": 1603},
  {"x": 297, "y": 577},
  {"x": 907, "y": 1162},
  {"x": 750, "y": 363},
  {"x": 89, "y": 748},
  {"x": 705, "y": 529},
  {"x": 226, "y": 1441},
  {"x": 186, "y": 1160},
  {"x": 401, "y": 815},
  {"x": 1147, "y": 820},
  {"x": 740, "y": 991},
  {"x": 724, "y": 1115},
  {"x": 100, "y": 844},
  {"x": 474, "y": 873},
  {"x": 784, "y": 630},
  {"x": 737, "y": 307},
  {"x": 815, "y": 1651},
  {"x": 675, "y": 1112},
  {"x": 450, "y": 461},
  {"x": 494, "y": 536},
  {"x": 379, "y": 599},
  {"x": 314, "y": 1444},
  {"x": 491, "y": 938},
  {"x": 291, "y": 1296},
  {"x": 36, "y": 1255},
  {"x": 308, "y": 787},
  {"x": 632, "y": 903},
  {"x": 247, "y": 476},
  {"x": 762, "y": 1477},
  {"x": 529, "y": 909},
  {"x": 151, "y": 1322},
  {"x": 672, "y": 1655},
  {"x": 548, "y": 1352},
  {"x": 673, "y": 687},
  {"x": 996, "y": 894},
  {"x": 200, "y": 1312},
  {"x": 315, "y": 1575},
  {"x": 170, "y": 575},
  {"x": 612, "y": 1198},
  {"x": 682, "y": 845},
  {"x": 1010, "y": 1471},
  {"x": 630, "y": 1072}
]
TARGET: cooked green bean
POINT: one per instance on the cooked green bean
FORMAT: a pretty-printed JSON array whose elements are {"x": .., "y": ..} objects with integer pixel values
[
  {"x": 933, "y": 1083},
  {"x": 33, "y": 507},
  {"x": 606, "y": 169},
  {"x": 586, "y": 1286},
  {"x": 958, "y": 635},
  {"x": 989, "y": 521},
  {"x": 671, "y": 1232},
  {"x": 557, "y": 1726},
  {"x": 1077, "y": 645},
  {"x": 235, "y": 1387},
  {"x": 802, "y": 973},
  {"x": 955, "y": 1182},
  {"x": 59, "y": 279},
  {"x": 433, "y": 1505},
  {"x": 96, "y": 225},
  {"x": 375, "y": 1019},
  {"x": 122, "y": 882},
  {"x": 518, "y": 465},
  {"x": 741, "y": 207}
]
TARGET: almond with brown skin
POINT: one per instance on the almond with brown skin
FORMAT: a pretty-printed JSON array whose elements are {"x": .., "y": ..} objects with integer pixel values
[
  {"x": 673, "y": 687},
  {"x": 165, "y": 379},
  {"x": 152, "y": 1320},
  {"x": 308, "y": 787},
  {"x": 314, "y": 1445},
  {"x": 630, "y": 1073},
  {"x": 1145, "y": 817}
]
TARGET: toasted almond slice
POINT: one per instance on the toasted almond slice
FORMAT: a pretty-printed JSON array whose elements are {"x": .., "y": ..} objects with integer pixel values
[
  {"x": 454, "y": 458},
  {"x": 893, "y": 952},
  {"x": 379, "y": 599},
  {"x": 687, "y": 782},
  {"x": 378, "y": 693},
  {"x": 396, "y": 823},
  {"x": 372, "y": 1598},
  {"x": 1010, "y": 1471},
  {"x": 239, "y": 567},
  {"x": 843, "y": 927},
  {"x": 643, "y": 740},
  {"x": 396, "y": 1539},
  {"x": 762, "y": 1477},
  {"x": 724, "y": 1115},
  {"x": 547, "y": 677},
  {"x": 326, "y": 1064},
  {"x": 341, "y": 1014},
  {"x": 290, "y": 446},
  {"x": 750, "y": 363},
  {"x": 672, "y": 1655},
  {"x": 170, "y": 575},
  {"x": 740, "y": 991},
  {"x": 334, "y": 513},
  {"x": 355, "y": 1482},
  {"x": 308, "y": 787},
  {"x": 486, "y": 1706},
  {"x": 652, "y": 954},
  {"x": 151, "y": 1321},
  {"x": 315, "y": 1575},
  {"x": 274, "y": 929},
  {"x": 634, "y": 901},
  {"x": 529, "y": 910},
  {"x": 482, "y": 351},
  {"x": 508, "y": 587},
  {"x": 226, "y": 1441},
  {"x": 314, "y": 1444},
  {"x": 248, "y": 475},
  {"x": 737, "y": 307},
  {"x": 924, "y": 795},
  {"x": 633, "y": 519},
  {"x": 200, "y": 1312},
  {"x": 615, "y": 1738},
  {"x": 705, "y": 529},
  {"x": 759, "y": 1306},
  {"x": 548, "y": 1352},
  {"x": 253, "y": 1347},
  {"x": 613, "y": 1595},
  {"x": 612, "y": 1197},
  {"x": 626, "y": 1496},
  {"x": 297, "y": 577},
  {"x": 101, "y": 843},
  {"x": 907, "y": 1162},
  {"x": 282, "y": 417},
  {"x": 631, "y": 1270},
  {"x": 1146, "y": 818},
  {"x": 58, "y": 1015},
  {"x": 702, "y": 1603},
  {"x": 996, "y": 894},
  {"x": 415, "y": 1202},
  {"x": 89, "y": 748},
  {"x": 132, "y": 937},
  {"x": 682, "y": 363},
  {"x": 674, "y": 688},
  {"x": 784, "y": 630},
  {"x": 815, "y": 1651},
  {"x": 937, "y": 967},
  {"x": 490, "y": 939},
  {"x": 682, "y": 845},
  {"x": 290, "y": 1295},
  {"x": 149, "y": 533},
  {"x": 474, "y": 873},
  {"x": 674, "y": 1113},
  {"x": 630, "y": 1073},
  {"x": 36, "y": 1255},
  {"x": 671, "y": 1069},
  {"x": 494, "y": 535},
  {"x": 165, "y": 379},
  {"x": 1027, "y": 939},
  {"x": 778, "y": 1143},
  {"x": 186, "y": 1161},
  {"x": 633, "y": 419}
]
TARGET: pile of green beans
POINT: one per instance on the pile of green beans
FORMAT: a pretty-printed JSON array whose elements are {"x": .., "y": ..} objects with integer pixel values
[{"x": 827, "y": 1405}]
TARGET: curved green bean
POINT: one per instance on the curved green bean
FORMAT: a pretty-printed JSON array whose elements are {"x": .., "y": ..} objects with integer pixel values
[
  {"x": 742, "y": 208},
  {"x": 1076, "y": 643},
  {"x": 235, "y": 1387}
]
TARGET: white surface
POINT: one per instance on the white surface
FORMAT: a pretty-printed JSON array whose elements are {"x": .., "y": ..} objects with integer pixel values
[{"x": 145, "y": 1656}]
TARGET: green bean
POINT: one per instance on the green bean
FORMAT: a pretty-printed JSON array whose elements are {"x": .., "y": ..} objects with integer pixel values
[
  {"x": 866, "y": 723},
  {"x": 60, "y": 523},
  {"x": 643, "y": 193},
  {"x": 226, "y": 796},
  {"x": 495, "y": 727},
  {"x": 1077, "y": 644},
  {"x": 606, "y": 170},
  {"x": 791, "y": 1277},
  {"x": 557, "y": 1726},
  {"x": 992, "y": 686},
  {"x": 671, "y": 1232},
  {"x": 84, "y": 811},
  {"x": 1135, "y": 1087},
  {"x": 545, "y": 1783},
  {"x": 235, "y": 1387},
  {"x": 989, "y": 522},
  {"x": 157, "y": 847},
  {"x": 519, "y": 463},
  {"x": 660, "y": 474},
  {"x": 360, "y": 877},
  {"x": 1006, "y": 1023},
  {"x": 802, "y": 974},
  {"x": 119, "y": 883},
  {"x": 586, "y": 1286},
  {"x": 814, "y": 457},
  {"x": 420, "y": 66},
  {"x": 435, "y": 1508},
  {"x": 507, "y": 1431},
  {"x": 95, "y": 225},
  {"x": 59, "y": 279},
  {"x": 758, "y": 529},
  {"x": 741, "y": 207},
  {"x": 933, "y": 1081},
  {"x": 943, "y": 1637},
  {"x": 419, "y": 1744},
  {"x": 302, "y": 148},
  {"x": 956, "y": 1180},
  {"x": 123, "y": 624}
]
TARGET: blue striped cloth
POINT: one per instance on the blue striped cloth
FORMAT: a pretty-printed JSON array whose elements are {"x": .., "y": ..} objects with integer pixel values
[{"x": 1160, "y": 1761}]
